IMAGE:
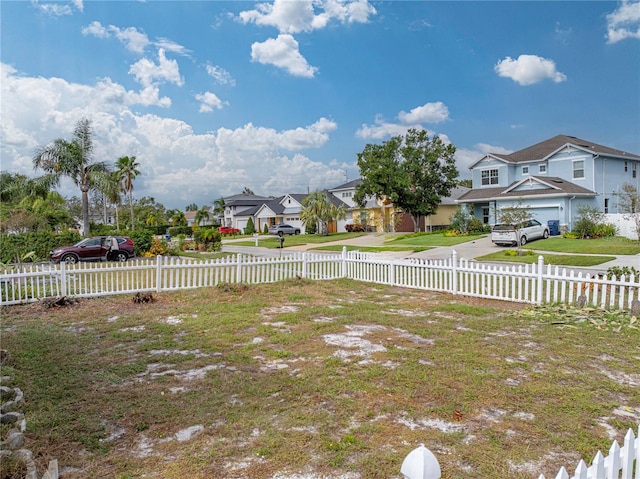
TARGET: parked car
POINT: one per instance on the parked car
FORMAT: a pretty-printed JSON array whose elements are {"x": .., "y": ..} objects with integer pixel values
[
  {"x": 94, "y": 249},
  {"x": 228, "y": 230},
  {"x": 282, "y": 230},
  {"x": 505, "y": 234}
]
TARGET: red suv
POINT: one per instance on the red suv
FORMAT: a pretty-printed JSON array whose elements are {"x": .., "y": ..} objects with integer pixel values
[{"x": 94, "y": 249}]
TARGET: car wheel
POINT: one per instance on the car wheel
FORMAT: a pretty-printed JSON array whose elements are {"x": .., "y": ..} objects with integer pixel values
[
  {"x": 120, "y": 257},
  {"x": 523, "y": 241},
  {"x": 281, "y": 234},
  {"x": 297, "y": 232},
  {"x": 545, "y": 235},
  {"x": 69, "y": 258}
]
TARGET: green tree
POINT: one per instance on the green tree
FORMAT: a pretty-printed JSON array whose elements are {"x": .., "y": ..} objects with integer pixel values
[
  {"x": 191, "y": 207},
  {"x": 147, "y": 206},
  {"x": 317, "y": 209},
  {"x": 202, "y": 215},
  {"x": 460, "y": 219},
  {"x": 515, "y": 215},
  {"x": 127, "y": 169},
  {"x": 111, "y": 189},
  {"x": 73, "y": 159},
  {"x": 218, "y": 208},
  {"x": 177, "y": 217},
  {"x": 414, "y": 172},
  {"x": 250, "y": 228}
]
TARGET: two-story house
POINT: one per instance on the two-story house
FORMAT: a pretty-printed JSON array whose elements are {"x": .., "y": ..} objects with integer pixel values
[
  {"x": 553, "y": 179},
  {"x": 380, "y": 215}
]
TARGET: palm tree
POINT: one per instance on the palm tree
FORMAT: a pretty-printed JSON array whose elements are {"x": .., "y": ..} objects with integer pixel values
[
  {"x": 318, "y": 209},
  {"x": 73, "y": 159},
  {"x": 202, "y": 215},
  {"x": 218, "y": 208},
  {"x": 127, "y": 169},
  {"x": 177, "y": 218}
]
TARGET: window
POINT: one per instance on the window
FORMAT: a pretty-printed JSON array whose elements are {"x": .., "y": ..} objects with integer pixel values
[
  {"x": 634, "y": 170},
  {"x": 525, "y": 170},
  {"x": 485, "y": 215},
  {"x": 347, "y": 194},
  {"x": 626, "y": 166},
  {"x": 606, "y": 205},
  {"x": 542, "y": 169},
  {"x": 578, "y": 169},
  {"x": 490, "y": 177}
]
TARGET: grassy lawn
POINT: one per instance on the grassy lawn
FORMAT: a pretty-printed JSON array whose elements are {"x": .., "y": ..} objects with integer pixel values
[
  {"x": 319, "y": 379},
  {"x": 371, "y": 249},
  {"x": 267, "y": 241},
  {"x": 615, "y": 245},
  {"x": 555, "y": 259},
  {"x": 429, "y": 239}
]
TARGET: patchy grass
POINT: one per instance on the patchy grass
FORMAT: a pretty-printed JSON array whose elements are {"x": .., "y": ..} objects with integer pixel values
[
  {"x": 555, "y": 259},
  {"x": 319, "y": 379},
  {"x": 371, "y": 249},
  {"x": 616, "y": 245}
]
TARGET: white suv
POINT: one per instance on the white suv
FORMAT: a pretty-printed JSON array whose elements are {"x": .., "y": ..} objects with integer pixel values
[{"x": 505, "y": 234}]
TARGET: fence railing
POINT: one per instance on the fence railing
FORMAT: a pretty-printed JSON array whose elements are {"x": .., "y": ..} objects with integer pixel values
[
  {"x": 528, "y": 283},
  {"x": 618, "y": 464}
]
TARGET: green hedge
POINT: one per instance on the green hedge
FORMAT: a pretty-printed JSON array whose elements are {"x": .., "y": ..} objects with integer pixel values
[{"x": 13, "y": 247}]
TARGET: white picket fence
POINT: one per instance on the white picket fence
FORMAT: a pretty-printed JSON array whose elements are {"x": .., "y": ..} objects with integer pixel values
[
  {"x": 619, "y": 464},
  {"x": 535, "y": 283}
]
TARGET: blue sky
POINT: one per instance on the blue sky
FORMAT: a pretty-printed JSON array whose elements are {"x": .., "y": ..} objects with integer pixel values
[{"x": 280, "y": 97}]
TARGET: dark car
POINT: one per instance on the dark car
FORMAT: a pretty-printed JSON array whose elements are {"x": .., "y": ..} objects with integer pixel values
[
  {"x": 94, "y": 249},
  {"x": 282, "y": 230}
]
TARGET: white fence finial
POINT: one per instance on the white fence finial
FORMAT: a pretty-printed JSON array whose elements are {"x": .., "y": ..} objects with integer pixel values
[{"x": 420, "y": 464}]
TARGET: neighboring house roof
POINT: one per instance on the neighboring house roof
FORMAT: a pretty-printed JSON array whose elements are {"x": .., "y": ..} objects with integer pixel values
[
  {"x": 545, "y": 186},
  {"x": 456, "y": 193},
  {"x": 348, "y": 185},
  {"x": 546, "y": 148}
]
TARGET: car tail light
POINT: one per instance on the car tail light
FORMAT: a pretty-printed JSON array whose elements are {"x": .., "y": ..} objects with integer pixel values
[{"x": 129, "y": 242}]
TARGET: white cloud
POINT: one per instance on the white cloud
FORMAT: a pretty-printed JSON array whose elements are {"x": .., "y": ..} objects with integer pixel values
[
  {"x": 427, "y": 113},
  {"x": 300, "y": 16},
  {"x": 529, "y": 69},
  {"x": 178, "y": 166},
  {"x": 132, "y": 39},
  {"x": 59, "y": 9},
  {"x": 283, "y": 53},
  {"x": 221, "y": 75},
  {"x": 148, "y": 73},
  {"x": 624, "y": 22},
  {"x": 208, "y": 101}
]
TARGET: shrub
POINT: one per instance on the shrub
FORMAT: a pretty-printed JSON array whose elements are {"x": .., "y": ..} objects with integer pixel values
[
  {"x": 14, "y": 247},
  {"x": 209, "y": 238},
  {"x": 591, "y": 224},
  {"x": 476, "y": 226},
  {"x": 351, "y": 228},
  {"x": 158, "y": 247},
  {"x": 142, "y": 239},
  {"x": 265, "y": 230},
  {"x": 460, "y": 219},
  {"x": 250, "y": 228},
  {"x": 180, "y": 230},
  {"x": 618, "y": 271}
]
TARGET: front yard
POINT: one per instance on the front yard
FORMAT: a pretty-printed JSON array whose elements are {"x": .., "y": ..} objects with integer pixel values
[{"x": 332, "y": 379}]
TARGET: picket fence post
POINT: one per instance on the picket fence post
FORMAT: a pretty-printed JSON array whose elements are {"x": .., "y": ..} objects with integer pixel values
[
  {"x": 454, "y": 272},
  {"x": 159, "y": 260},
  {"x": 239, "y": 268},
  {"x": 344, "y": 262},
  {"x": 63, "y": 278},
  {"x": 539, "y": 285},
  {"x": 303, "y": 273}
]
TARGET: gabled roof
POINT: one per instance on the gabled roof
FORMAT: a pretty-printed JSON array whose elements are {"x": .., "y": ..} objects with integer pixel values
[
  {"x": 551, "y": 186},
  {"x": 546, "y": 148},
  {"x": 347, "y": 186}
]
